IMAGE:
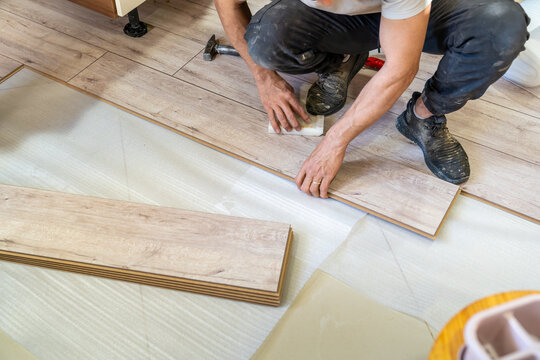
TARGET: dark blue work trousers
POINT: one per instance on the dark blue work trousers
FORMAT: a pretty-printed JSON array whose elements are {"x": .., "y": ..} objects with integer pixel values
[{"x": 478, "y": 38}]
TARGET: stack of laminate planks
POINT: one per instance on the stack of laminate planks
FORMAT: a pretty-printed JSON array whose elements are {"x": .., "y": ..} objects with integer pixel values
[{"x": 210, "y": 254}]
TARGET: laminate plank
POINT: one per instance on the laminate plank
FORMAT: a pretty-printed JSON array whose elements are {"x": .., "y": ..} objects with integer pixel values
[
  {"x": 143, "y": 281},
  {"x": 187, "y": 19},
  {"x": 159, "y": 49},
  {"x": 7, "y": 65},
  {"x": 200, "y": 250},
  {"x": 366, "y": 180},
  {"x": 44, "y": 49},
  {"x": 502, "y": 92},
  {"x": 493, "y": 174}
]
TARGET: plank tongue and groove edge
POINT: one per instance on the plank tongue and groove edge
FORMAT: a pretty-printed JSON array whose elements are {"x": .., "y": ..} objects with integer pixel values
[
  {"x": 212, "y": 254},
  {"x": 392, "y": 191}
]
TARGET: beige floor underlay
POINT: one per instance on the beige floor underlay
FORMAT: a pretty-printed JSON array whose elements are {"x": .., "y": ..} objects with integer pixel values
[{"x": 330, "y": 320}]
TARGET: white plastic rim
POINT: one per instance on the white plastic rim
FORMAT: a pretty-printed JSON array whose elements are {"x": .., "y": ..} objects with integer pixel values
[{"x": 475, "y": 350}]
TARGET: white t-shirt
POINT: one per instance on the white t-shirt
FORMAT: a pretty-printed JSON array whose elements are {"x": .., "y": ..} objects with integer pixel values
[{"x": 390, "y": 9}]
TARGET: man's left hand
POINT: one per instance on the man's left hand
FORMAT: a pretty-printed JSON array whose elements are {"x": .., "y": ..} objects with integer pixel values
[{"x": 320, "y": 168}]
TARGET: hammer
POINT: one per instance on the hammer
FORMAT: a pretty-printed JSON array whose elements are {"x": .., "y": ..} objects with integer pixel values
[{"x": 212, "y": 48}]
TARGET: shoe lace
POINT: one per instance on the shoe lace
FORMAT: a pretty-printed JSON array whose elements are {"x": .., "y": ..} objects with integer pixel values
[{"x": 436, "y": 126}]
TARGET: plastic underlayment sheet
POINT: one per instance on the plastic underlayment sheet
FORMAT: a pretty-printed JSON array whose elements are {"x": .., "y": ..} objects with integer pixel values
[{"x": 52, "y": 137}]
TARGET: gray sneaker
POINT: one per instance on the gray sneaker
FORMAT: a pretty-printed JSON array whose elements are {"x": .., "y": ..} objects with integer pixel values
[
  {"x": 328, "y": 94},
  {"x": 443, "y": 154}
]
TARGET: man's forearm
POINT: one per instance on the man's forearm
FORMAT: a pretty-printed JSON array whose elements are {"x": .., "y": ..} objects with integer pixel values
[
  {"x": 235, "y": 17},
  {"x": 375, "y": 99}
]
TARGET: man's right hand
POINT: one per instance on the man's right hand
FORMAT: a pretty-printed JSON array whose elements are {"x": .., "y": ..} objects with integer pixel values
[{"x": 279, "y": 101}]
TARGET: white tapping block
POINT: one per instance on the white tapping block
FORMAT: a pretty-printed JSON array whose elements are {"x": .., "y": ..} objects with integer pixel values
[{"x": 315, "y": 128}]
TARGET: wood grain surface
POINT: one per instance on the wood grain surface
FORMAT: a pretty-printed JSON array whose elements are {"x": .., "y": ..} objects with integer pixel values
[
  {"x": 148, "y": 244},
  {"x": 158, "y": 49},
  {"x": 184, "y": 18},
  {"x": 44, "y": 49},
  {"x": 450, "y": 340},
  {"x": 375, "y": 184},
  {"x": 7, "y": 65},
  {"x": 493, "y": 174}
]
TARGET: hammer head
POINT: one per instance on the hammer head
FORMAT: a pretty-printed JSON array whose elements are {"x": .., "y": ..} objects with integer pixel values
[{"x": 210, "y": 49}]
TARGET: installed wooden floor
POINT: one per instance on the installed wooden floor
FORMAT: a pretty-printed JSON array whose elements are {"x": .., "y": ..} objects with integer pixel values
[
  {"x": 211, "y": 254},
  {"x": 217, "y": 103}
]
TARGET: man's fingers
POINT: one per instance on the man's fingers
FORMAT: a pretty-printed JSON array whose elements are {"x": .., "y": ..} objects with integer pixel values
[
  {"x": 306, "y": 185},
  {"x": 273, "y": 121},
  {"x": 314, "y": 188},
  {"x": 300, "y": 110},
  {"x": 299, "y": 179},
  {"x": 325, "y": 184},
  {"x": 282, "y": 119},
  {"x": 291, "y": 117}
]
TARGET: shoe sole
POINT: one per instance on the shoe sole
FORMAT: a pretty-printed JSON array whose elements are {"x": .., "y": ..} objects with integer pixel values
[
  {"x": 342, "y": 104},
  {"x": 404, "y": 130}
]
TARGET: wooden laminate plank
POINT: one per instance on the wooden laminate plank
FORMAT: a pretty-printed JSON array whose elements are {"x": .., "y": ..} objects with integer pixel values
[
  {"x": 186, "y": 19},
  {"x": 502, "y": 92},
  {"x": 42, "y": 48},
  {"x": 268, "y": 298},
  {"x": 272, "y": 301},
  {"x": 159, "y": 49},
  {"x": 200, "y": 251},
  {"x": 493, "y": 173},
  {"x": 7, "y": 66},
  {"x": 385, "y": 188}
]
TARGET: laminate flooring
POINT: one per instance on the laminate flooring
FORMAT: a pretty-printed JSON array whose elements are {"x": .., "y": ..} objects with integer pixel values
[
  {"x": 7, "y": 65},
  {"x": 47, "y": 50},
  {"x": 211, "y": 254},
  {"x": 159, "y": 49}
]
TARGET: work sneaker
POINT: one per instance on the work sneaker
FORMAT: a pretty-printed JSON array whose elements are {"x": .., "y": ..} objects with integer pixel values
[
  {"x": 443, "y": 154},
  {"x": 328, "y": 94}
]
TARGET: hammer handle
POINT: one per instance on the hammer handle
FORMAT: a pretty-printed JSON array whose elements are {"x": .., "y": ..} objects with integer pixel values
[{"x": 226, "y": 50}]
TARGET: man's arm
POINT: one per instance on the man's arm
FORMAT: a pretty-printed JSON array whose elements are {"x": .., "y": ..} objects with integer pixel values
[
  {"x": 276, "y": 94},
  {"x": 402, "y": 42}
]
